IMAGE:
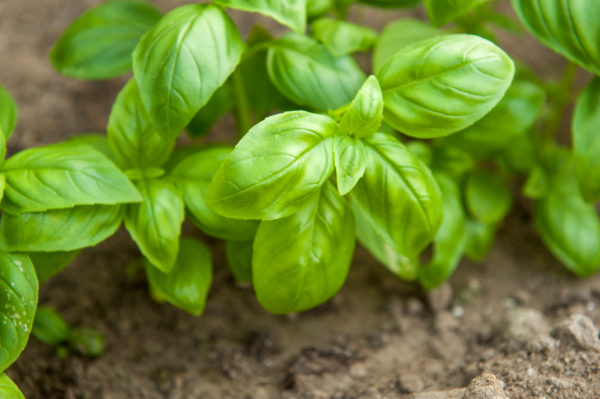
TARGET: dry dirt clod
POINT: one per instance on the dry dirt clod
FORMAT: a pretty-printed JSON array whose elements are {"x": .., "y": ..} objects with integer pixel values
[
  {"x": 441, "y": 298},
  {"x": 520, "y": 325},
  {"x": 450, "y": 394},
  {"x": 579, "y": 332},
  {"x": 486, "y": 386},
  {"x": 410, "y": 383}
]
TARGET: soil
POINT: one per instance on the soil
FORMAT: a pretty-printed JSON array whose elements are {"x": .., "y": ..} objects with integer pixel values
[{"x": 517, "y": 325}]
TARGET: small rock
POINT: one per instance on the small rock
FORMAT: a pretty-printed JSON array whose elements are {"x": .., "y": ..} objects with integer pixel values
[
  {"x": 520, "y": 325},
  {"x": 578, "y": 331},
  {"x": 541, "y": 344},
  {"x": 410, "y": 383},
  {"x": 414, "y": 307},
  {"x": 486, "y": 386},
  {"x": 440, "y": 299}
]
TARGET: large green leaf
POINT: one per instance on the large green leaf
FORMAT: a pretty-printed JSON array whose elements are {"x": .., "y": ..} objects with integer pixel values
[
  {"x": 155, "y": 223},
  {"x": 306, "y": 73},
  {"x": 302, "y": 260},
  {"x": 186, "y": 285},
  {"x": 487, "y": 196},
  {"x": 288, "y": 12},
  {"x": 586, "y": 141},
  {"x": 8, "y": 389},
  {"x": 182, "y": 60},
  {"x": 19, "y": 292},
  {"x": 569, "y": 27},
  {"x": 61, "y": 176},
  {"x": 192, "y": 176},
  {"x": 98, "y": 44},
  {"x": 341, "y": 37},
  {"x": 98, "y": 141},
  {"x": 276, "y": 168},
  {"x": 443, "y": 11},
  {"x": 48, "y": 264},
  {"x": 443, "y": 84},
  {"x": 60, "y": 229},
  {"x": 364, "y": 115}
]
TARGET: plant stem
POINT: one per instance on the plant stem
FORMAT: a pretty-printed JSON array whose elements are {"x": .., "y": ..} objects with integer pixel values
[
  {"x": 242, "y": 107},
  {"x": 560, "y": 102}
]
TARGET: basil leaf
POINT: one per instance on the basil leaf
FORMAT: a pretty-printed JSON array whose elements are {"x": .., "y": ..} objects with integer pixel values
[
  {"x": 99, "y": 43},
  {"x": 155, "y": 223},
  {"x": 316, "y": 8},
  {"x": 48, "y": 264},
  {"x": 443, "y": 84},
  {"x": 131, "y": 135},
  {"x": 351, "y": 160},
  {"x": 398, "y": 35},
  {"x": 59, "y": 230},
  {"x": 276, "y": 169},
  {"x": 487, "y": 196},
  {"x": 8, "y": 389},
  {"x": 571, "y": 28},
  {"x": 398, "y": 197},
  {"x": 306, "y": 73},
  {"x": 49, "y": 327},
  {"x": 239, "y": 258},
  {"x": 2, "y": 185},
  {"x": 221, "y": 102},
  {"x": 302, "y": 260},
  {"x": 8, "y": 114},
  {"x": 570, "y": 229},
  {"x": 291, "y": 13},
  {"x": 97, "y": 141},
  {"x": 192, "y": 176},
  {"x": 449, "y": 242},
  {"x": 186, "y": 285},
  {"x": 61, "y": 176},
  {"x": 341, "y": 37},
  {"x": 182, "y": 61},
  {"x": 586, "y": 141},
  {"x": 443, "y": 11},
  {"x": 391, "y": 3},
  {"x": 450, "y": 159},
  {"x": 365, "y": 113},
  {"x": 19, "y": 291},
  {"x": 480, "y": 237}
]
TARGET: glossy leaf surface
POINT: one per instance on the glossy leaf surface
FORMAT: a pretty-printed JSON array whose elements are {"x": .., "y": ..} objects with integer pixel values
[
  {"x": 365, "y": 113},
  {"x": 288, "y": 12},
  {"x": 351, "y": 160},
  {"x": 8, "y": 389}
]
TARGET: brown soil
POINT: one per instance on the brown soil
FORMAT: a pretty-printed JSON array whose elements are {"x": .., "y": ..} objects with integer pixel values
[{"x": 518, "y": 320}]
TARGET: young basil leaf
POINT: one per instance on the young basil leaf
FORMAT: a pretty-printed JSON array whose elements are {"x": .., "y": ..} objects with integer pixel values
[
  {"x": 155, "y": 224},
  {"x": 97, "y": 141},
  {"x": 398, "y": 35},
  {"x": 221, "y": 102},
  {"x": 48, "y": 264},
  {"x": 8, "y": 389},
  {"x": 364, "y": 115},
  {"x": 351, "y": 160},
  {"x": 19, "y": 292},
  {"x": 49, "y": 327},
  {"x": 98, "y": 44},
  {"x": 487, "y": 196},
  {"x": 443, "y": 84},
  {"x": 192, "y": 176},
  {"x": 182, "y": 61},
  {"x": 239, "y": 258},
  {"x": 570, "y": 28},
  {"x": 61, "y": 176},
  {"x": 8, "y": 115},
  {"x": 186, "y": 285},
  {"x": 60, "y": 229},
  {"x": 391, "y": 3},
  {"x": 570, "y": 229},
  {"x": 306, "y": 73},
  {"x": 519, "y": 157},
  {"x": 316, "y": 8},
  {"x": 276, "y": 169},
  {"x": 480, "y": 237},
  {"x": 586, "y": 141},
  {"x": 86, "y": 341},
  {"x": 302, "y": 260},
  {"x": 131, "y": 135},
  {"x": 291, "y": 13},
  {"x": 537, "y": 185},
  {"x": 341, "y": 37},
  {"x": 449, "y": 242},
  {"x": 443, "y": 11},
  {"x": 398, "y": 196}
]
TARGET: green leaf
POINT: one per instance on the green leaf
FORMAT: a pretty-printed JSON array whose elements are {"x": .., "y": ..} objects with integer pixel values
[
  {"x": 316, "y": 8},
  {"x": 586, "y": 141},
  {"x": 49, "y": 327},
  {"x": 48, "y": 264},
  {"x": 302, "y": 260},
  {"x": 8, "y": 115},
  {"x": 192, "y": 176},
  {"x": 450, "y": 159},
  {"x": 449, "y": 242},
  {"x": 351, "y": 160},
  {"x": 221, "y": 102},
  {"x": 391, "y": 3},
  {"x": 487, "y": 196},
  {"x": 480, "y": 237},
  {"x": 443, "y": 11},
  {"x": 131, "y": 135},
  {"x": 86, "y": 341},
  {"x": 398, "y": 35},
  {"x": 2, "y": 185},
  {"x": 19, "y": 292},
  {"x": 155, "y": 223},
  {"x": 306, "y": 73},
  {"x": 570, "y": 229},
  {"x": 61, "y": 176},
  {"x": 341, "y": 37},
  {"x": 97, "y": 141},
  {"x": 570, "y": 28},
  {"x": 8, "y": 389},
  {"x": 365, "y": 114},
  {"x": 276, "y": 169},
  {"x": 182, "y": 61},
  {"x": 398, "y": 197},
  {"x": 59, "y": 230},
  {"x": 99, "y": 43},
  {"x": 443, "y": 84},
  {"x": 239, "y": 258},
  {"x": 187, "y": 285},
  {"x": 291, "y": 13}
]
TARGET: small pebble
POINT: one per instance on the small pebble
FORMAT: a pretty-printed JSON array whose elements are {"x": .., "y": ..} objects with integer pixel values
[
  {"x": 578, "y": 331},
  {"x": 486, "y": 386}
]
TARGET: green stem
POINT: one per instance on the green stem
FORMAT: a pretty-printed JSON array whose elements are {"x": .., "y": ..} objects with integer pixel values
[
  {"x": 560, "y": 102},
  {"x": 242, "y": 107}
]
